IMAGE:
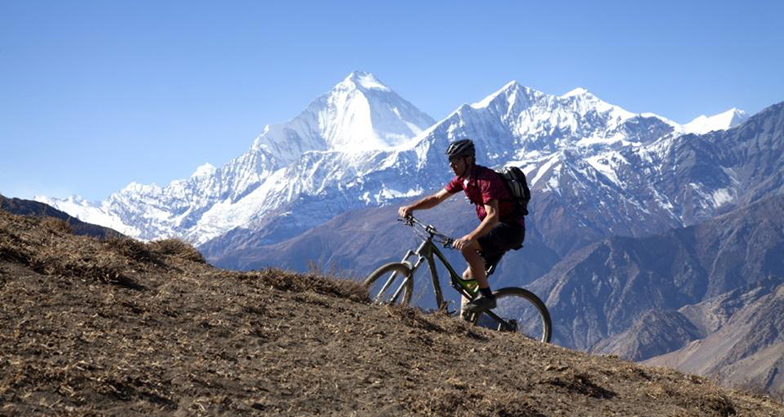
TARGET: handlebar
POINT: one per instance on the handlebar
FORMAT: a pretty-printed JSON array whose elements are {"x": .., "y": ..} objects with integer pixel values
[{"x": 433, "y": 234}]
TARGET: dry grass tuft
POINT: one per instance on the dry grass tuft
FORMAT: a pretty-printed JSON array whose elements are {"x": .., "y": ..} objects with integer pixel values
[
  {"x": 107, "y": 268},
  {"x": 177, "y": 248},
  {"x": 296, "y": 282},
  {"x": 57, "y": 225},
  {"x": 11, "y": 253},
  {"x": 130, "y": 248}
]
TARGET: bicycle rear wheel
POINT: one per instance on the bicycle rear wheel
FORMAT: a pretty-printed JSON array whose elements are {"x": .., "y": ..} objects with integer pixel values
[
  {"x": 521, "y": 311},
  {"x": 390, "y": 284}
]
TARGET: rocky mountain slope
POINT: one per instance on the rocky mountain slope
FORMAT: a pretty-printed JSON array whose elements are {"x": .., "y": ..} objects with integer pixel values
[
  {"x": 659, "y": 332},
  {"x": 358, "y": 242},
  {"x": 641, "y": 298},
  {"x": 747, "y": 348},
  {"x": 605, "y": 287},
  {"x": 126, "y": 328}
]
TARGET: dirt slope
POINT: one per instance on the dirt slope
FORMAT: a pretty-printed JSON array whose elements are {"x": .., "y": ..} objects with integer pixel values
[{"x": 124, "y": 328}]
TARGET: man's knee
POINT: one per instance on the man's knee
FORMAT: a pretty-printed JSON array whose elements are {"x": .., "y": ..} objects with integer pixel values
[{"x": 467, "y": 274}]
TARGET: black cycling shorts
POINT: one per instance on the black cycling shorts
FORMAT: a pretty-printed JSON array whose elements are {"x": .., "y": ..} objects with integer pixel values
[{"x": 501, "y": 238}]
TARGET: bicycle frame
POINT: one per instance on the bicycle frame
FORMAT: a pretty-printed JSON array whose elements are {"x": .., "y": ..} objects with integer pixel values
[{"x": 428, "y": 251}]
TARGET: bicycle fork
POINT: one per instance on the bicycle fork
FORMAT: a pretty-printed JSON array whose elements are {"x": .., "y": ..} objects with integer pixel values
[{"x": 412, "y": 267}]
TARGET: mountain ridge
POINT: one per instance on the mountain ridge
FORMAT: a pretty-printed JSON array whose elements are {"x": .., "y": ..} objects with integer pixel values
[
  {"x": 420, "y": 164},
  {"x": 243, "y": 193}
]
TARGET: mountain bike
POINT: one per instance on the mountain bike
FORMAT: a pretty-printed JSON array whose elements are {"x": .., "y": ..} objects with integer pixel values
[{"x": 518, "y": 310}]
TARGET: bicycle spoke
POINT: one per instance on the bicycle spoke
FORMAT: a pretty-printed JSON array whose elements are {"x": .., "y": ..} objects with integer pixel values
[
  {"x": 384, "y": 289},
  {"x": 399, "y": 291}
]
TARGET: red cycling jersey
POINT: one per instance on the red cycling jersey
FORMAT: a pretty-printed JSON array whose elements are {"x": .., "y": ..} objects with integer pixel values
[{"x": 483, "y": 185}]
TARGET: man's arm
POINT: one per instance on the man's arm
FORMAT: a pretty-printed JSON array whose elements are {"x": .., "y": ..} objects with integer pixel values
[
  {"x": 425, "y": 203},
  {"x": 490, "y": 220}
]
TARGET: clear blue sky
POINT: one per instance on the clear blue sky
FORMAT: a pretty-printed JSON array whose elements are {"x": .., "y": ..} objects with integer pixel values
[{"x": 97, "y": 94}]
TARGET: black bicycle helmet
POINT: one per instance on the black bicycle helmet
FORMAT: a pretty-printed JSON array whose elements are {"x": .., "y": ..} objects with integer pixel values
[{"x": 462, "y": 147}]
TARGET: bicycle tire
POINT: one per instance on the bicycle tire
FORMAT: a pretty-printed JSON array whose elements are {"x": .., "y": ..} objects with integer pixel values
[
  {"x": 375, "y": 285},
  {"x": 529, "y": 313}
]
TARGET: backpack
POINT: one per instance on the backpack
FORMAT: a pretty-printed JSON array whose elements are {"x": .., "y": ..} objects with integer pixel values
[{"x": 517, "y": 186}]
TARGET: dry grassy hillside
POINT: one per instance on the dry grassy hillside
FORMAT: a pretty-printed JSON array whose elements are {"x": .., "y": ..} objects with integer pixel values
[{"x": 125, "y": 328}]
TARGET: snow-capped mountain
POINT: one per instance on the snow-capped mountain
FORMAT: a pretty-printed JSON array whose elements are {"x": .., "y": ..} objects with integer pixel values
[
  {"x": 582, "y": 193},
  {"x": 362, "y": 145},
  {"x": 358, "y": 115},
  {"x": 575, "y": 145},
  {"x": 722, "y": 121}
]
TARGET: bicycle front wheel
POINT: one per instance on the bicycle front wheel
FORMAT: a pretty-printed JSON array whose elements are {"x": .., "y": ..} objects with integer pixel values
[
  {"x": 390, "y": 284},
  {"x": 521, "y": 311}
]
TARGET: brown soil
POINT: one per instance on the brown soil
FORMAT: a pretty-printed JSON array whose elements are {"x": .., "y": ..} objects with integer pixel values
[{"x": 125, "y": 328}]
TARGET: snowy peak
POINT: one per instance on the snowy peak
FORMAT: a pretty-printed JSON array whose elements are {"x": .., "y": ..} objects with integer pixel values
[
  {"x": 361, "y": 80},
  {"x": 513, "y": 93},
  {"x": 579, "y": 91},
  {"x": 583, "y": 101},
  {"x": 523, "y": 123},
  {"x": 359, "y": 114},
  {"x": 579, "y": 101},
  {"x": 722, "y": 121},
  {"x": 205, "y": 170},
  {"x": 74, "y": 200}
]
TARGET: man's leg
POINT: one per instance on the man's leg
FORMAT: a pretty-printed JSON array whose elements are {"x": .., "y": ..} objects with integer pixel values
[
  {"x": 493, "y": 245},
  {"x": 463, "y": 300},
  {"x": 476, "y": 267}
]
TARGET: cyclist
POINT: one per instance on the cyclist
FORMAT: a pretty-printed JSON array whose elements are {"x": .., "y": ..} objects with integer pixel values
[{"x": 502, "y": 225}]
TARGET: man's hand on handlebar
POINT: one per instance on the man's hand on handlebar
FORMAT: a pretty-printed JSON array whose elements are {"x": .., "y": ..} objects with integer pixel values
[
  {"x": 405, "y": 212},
  {"x": 407, "y": 217},
  {"x": 464, "y": 241}
]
